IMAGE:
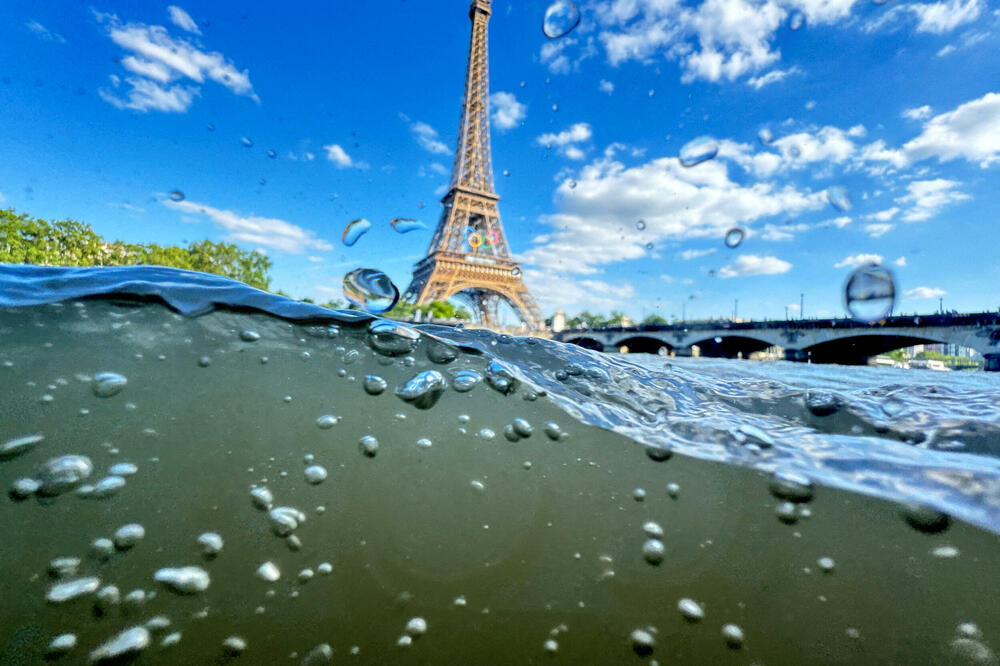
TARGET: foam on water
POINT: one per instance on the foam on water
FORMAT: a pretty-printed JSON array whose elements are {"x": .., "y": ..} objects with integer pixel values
[{"x": 551, "y": 496}]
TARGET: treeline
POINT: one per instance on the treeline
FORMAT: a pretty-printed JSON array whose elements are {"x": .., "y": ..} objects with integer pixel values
[
  {"x": 614, "y": 318},
  {"x": 28, "y": 240}
]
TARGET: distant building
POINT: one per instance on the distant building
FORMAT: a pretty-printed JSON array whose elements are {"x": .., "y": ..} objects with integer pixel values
[{"x": 558, "y": 321}]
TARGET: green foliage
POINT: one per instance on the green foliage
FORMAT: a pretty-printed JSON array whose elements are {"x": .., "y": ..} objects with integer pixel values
[
  {"x": 945, "y": 358},
  {"x": 438, "y": 309},
  {"x": 28, "y": 240},
  {"x": 654, "y": 320}
]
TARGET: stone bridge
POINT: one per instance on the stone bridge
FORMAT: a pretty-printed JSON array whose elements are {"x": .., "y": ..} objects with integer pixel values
[{"x": 843, "y": 341}]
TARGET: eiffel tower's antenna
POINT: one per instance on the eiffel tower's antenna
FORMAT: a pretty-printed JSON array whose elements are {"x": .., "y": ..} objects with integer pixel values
[{"x": 468, "y": 254}]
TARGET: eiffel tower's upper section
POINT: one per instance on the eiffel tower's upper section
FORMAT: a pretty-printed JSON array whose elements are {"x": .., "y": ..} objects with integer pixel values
[{"x": 473, "y": 168}]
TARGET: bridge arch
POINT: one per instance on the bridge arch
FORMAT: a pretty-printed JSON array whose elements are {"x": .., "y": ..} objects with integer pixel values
[
  {"x": 857, "y": 349},
  {"x": 586, "y": 342},
  {"x": 644, "y": 344},
  {"x": 731, "y": 346},
  {"x": 484, "y": 302}
]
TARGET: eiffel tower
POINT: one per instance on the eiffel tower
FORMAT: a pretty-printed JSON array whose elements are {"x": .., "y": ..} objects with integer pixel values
[{"x": 468, "y": 255}]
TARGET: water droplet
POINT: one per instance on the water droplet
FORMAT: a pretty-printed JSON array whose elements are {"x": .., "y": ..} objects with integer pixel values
[
  {"x": 369, "y": 446},
  {"x": 183, "y": 580},
  {"x": 640, "y": 225},
  {"x": 487, "y": 434},
  {"x": 392, "y": 339},
  {"x": 734, "y": 237},
  {"x": 653, "y": 550},
  {"x": 553, "y": 431},
  {"x": 465, "y": 380},
  {"x": 733, "y": 636},
  {"x": 15, "y": 447},
  {"x": 822, "y": 404},
  {"x": 315, "y": 474},
  {"x": 271, "y": 153},
  {"x": 107, "y": 384},
  {"x": 870, "y": 293},
  {"x": 698, "y": 150},
  {"x": 572, "y": 184},
  {"x": 551, "y": 646},
  {"x": 515, "y": 271},
  {"x": 500, "y": 378},
  {"x": 247, "y": 142},
  {"x": 131, "y": 641},
  {"x": 371, "y": 290},
  {"x": 506, "y": 172},
  {"x": 64, "y": 567},
  {"x": 324, "y": 568},
  {"x": 423, "y": 389},
  {"x": 211, "y": 544},
  {"x": 653, "y": 530},
  {"x": 176, "y": 195},
  {"x": 71, "y": 589},
  {"x": 374, "y": 385},
  {"x": 826, "y": 564},
  {"x": 766, "y": 136},
  {"x": 839, "y": 197},
  {"x": 561, "y": 17},
  {"x": 642, "y": 642},
  {"x": 439, "y": 352},
  {"x": 354, "y": 230},
  {"x": 522, "y": 427},
  {"x": 690, "y": 609},
  {"x": 405, "y": 225},
  {"x": 250, "y": 336},
  {"x": 639, "y": 494},
  {"x": 205, "y": 361},
  {"x": 796, "y": 20},
  {"x": 210, "y": 127}
]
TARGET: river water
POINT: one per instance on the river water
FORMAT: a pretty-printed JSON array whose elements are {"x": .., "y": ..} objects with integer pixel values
[{"x": 200, "y": 472}]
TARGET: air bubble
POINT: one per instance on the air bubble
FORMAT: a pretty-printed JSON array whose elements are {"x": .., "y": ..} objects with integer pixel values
[
  {"x": 131, "y": 641},
  {"x": 642, "y": 641},
  {"x": 733, "y": 636},
  {"x": 691, "y": 610},
  {"x": 15, "y": 447},
  {"x": 60, "y": 645},
  {"x": 107, "y": 384},
  {"x": 127, "y": 536},
  {"x": 58, "y": 475},
  {"x": 368, "y": 446},
  {"x": 269, "y": 572},
  {"x": 315, "y": 474},
  {"x": 653, "y": 550},
  {"x": 262, "y": 498},
  {"x": 423, "y": 390},
  {"x": 465, "y": 380},
  {"x": 183, "y": 580},
  {"x": 211, "y": 544},
  {"x": 392, "y": 339},
  {"x": 71, "y": 589}
]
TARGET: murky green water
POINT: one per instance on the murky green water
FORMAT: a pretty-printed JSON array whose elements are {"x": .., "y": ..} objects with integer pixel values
[{"x": 499, "y": 546}]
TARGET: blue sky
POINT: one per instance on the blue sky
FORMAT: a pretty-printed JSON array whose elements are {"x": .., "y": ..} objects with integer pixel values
[{"x": 106, "y": 108}]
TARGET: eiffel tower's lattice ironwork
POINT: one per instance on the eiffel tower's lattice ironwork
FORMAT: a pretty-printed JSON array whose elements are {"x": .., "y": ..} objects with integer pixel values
[{"x": 468, "y": 255}]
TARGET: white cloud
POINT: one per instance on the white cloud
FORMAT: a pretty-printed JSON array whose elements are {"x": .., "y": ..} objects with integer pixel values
[
  {"x": 774, "y": 76},
  {"x": 688, "y": 255},
  {"x": 941, "y": 17},
  {"x": 553, "y": 57},
  {"x": 553, "y": 289},
  {"x": 839, "y": 222},
  {"x": 159, "y": 59},
  {"x": 425, "y": 135},
  {"x": 884, "y": 215},
  {"x": 901, "y": 262},
  {"x": 773, "y": 232},
  {"x": 971, "y": 131},
  {"x": 262, "y": 231},
  {"x": 918, "y": 113},
  {"x": 946, "y": 50},
  {"x": 921, "y": 293},
  {"x": 438, "y": 168},
  {"x": 606, "y": 86},
  {"x": 878, "y": 229},
  {"x": 507, "y": 111},
  {"x": 42, "y": 32},
  {"x": 927, "y": 197},
  {"x": 795, "y": 151},
  {"x": 2, "y": 198},
  {"x": 595, "y": 224},
  {"x": 341, "y": 159},
  {"x": 858, "y": 260},
  {"x": 567, "y": 139},
  {"x": 145, "y": 95},
  {"x": 182, "y": 19},
  {"x": 315, "y": 259},
  {"x": 752, "y": 264}
]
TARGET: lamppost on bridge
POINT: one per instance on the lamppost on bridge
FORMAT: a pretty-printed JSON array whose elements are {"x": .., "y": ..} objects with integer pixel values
[{"x": 802, "y": 306}]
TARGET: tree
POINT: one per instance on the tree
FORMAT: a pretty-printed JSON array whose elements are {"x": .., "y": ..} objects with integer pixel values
[
  {"x": 28, "y": 240},
  {"x": 654, "y": 320}
]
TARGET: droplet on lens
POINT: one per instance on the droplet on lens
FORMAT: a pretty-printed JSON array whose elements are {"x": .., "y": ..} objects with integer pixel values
[
  {"x": 354, "y": 230},
  {"x": 247, "y": 142},
  {"x": 176, "y": 195},
  {"x": 561, "y": 17},
  {"x": 766, "y": 136},
  {"x": 371, "y": 290},
  {"x": 870, "y": 293},
  {"x": 796, "y": 20},
  {"x": 698, "y": 150},
  {"x": 404, "y": 225},
  {"x": 839, "y": 197},
  {"x": 734, "y": 237}
]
